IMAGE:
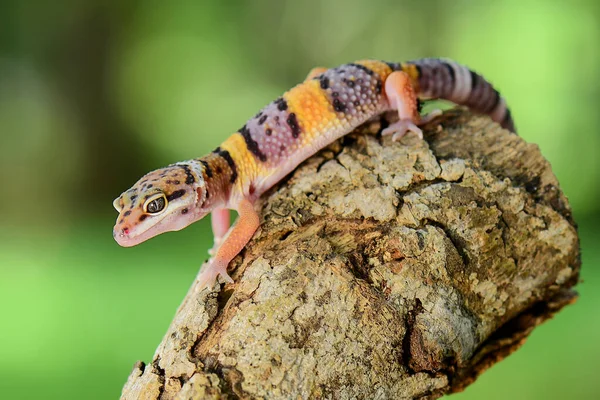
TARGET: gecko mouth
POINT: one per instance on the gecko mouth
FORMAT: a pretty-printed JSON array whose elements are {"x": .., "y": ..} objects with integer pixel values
[{"x": 124, "y": 239}]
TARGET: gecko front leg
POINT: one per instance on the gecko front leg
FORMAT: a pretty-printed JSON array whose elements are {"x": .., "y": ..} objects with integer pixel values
[
  {"x": 220, "y": 220},
  {"x": 233, "y": 242}
]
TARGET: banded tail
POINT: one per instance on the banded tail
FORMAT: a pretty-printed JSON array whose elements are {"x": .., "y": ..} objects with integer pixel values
[{"x": 445, "y": 79}]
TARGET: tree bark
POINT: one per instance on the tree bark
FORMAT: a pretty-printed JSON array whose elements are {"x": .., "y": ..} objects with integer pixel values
[{"x": 381, "y": 270}]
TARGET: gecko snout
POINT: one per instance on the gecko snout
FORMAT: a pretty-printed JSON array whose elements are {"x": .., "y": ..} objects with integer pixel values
[{"x": 120, "y": 232}]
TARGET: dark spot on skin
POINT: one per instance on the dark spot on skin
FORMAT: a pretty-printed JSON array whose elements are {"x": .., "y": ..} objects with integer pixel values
[
  {"x": 281, "y": 104},
  {"x": 207, "y": 168},
  {"x": 132, "y": 198},
  {"x": 185, "y": 210},
  {"x": 217, "y": 150},
  {"x": 335, "y": 94},
  {"x": 258, "y": 114},
  {"x": 169, "y": 182},
  {"x": 121, "y": 221},
  {"x": 276, "y": 118},
  {"x": 495, "y": 102},
  {"x": 127, "y": 213},
  {"x": 268, "y": 131},
  {"x": 282, "y": 148},
  {"x": 507, "y": 117},
  {"x": 474, "y": 80},
  {"x": 189, "y": 176},
  {"x": 251, "y": 189},
  {"x": 252, "y": 144},
  {"x": 363, "y": 68},
  {"x": 356, "y": 103},
  {"x": 349, "y": 83},
  {"x": 175, "y": 195},
  {"x": 293, "y": 124},
  {"x": 219, "y": 170},
  {"x": 378, "y": 86},
  {"x": 143, "y": 217},
  {"x": 450, "y": 71},
  {"x": 150, "y": 186},
  {"x": 419, "y": 70},
  {"x": 262, "y": 120},
  {"x": 324, "y": 82},
  {"x": 338, "y": 105},
  {"x": 227, "y": 157},
  {"x": 393, "y": 66}
]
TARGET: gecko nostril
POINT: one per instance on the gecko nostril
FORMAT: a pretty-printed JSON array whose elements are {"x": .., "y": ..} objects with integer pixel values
[{"x": 120, "y": 232}]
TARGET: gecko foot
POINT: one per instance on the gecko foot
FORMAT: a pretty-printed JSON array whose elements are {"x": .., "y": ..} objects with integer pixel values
[
  {"x": 401, "y": 128},
  {"x": 209, "y": 272}
]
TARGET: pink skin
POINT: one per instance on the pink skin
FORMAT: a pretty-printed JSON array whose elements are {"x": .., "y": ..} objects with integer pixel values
[
  {"x": 221, "y": 223},
  {"x": 172, "y": 222}
]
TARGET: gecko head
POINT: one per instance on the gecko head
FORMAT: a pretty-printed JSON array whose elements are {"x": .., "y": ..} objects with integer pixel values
[{"x": 161, "y": 201}]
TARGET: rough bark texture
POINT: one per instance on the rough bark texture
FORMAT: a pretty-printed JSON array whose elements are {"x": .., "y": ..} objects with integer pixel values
[{"x": 381, "y": 270}]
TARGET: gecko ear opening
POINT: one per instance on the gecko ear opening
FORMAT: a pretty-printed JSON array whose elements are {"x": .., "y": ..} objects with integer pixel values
[
  {"x": 117, "y": 204},
  {"x": 202, "y": 195}
]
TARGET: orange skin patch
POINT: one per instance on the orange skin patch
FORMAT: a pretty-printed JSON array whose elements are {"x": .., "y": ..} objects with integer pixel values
[
  {"x": 380, "y": 68},
  {"x": 313, "y": 110}
]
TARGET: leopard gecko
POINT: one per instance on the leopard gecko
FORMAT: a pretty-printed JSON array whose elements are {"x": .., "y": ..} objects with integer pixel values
[{"x": 329, "y": 104}]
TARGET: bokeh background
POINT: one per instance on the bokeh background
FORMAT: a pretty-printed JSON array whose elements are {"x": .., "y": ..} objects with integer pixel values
[{"x": 95, "y": 93}]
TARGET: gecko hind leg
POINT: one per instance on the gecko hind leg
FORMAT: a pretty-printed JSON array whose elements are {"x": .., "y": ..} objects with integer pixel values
[
  {"x": 314, "y": 73},
  {"x": 402, "y": 97}
]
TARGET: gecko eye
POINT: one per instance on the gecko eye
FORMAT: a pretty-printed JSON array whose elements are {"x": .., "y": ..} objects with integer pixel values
[
  {"x": 117, "y": 204},
  {"x": 155, "y": 204}
]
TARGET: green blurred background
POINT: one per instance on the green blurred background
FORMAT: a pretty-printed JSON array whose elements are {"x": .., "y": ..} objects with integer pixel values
[{"x": 95, "y": 93}]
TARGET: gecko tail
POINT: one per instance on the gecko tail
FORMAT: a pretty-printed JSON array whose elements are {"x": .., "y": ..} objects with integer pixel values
[{"x": 445, "y": 79}]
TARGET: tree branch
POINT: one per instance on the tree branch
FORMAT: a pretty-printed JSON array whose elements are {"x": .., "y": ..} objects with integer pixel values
[{"x": 381, "y": 270}]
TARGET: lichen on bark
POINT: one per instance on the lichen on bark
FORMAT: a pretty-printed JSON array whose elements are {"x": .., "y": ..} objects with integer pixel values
[{"x": 381, "y": 270}]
